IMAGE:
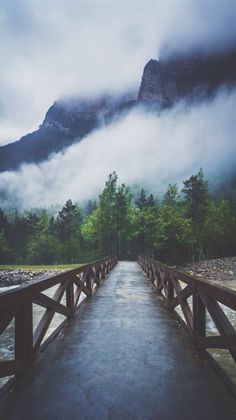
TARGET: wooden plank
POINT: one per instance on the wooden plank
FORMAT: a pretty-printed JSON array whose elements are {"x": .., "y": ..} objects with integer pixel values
[
  {"x": 212, "y": 342},
  {"x": 183, "y": 294},
  {"x": 46, "y": 319},
  {"x": 221, "y": 294},
  {"x": 222, "y": 323},
  {"x": 170, "y": 291},
  {"x": 24, "y": 335},
  {"x": 53, "y": 335},
  {"x": 9, "y": 368},
  {"x": 29, "y": 290},
  {"x": 183, "y": 303},
  {"x": 7, "y": 317},
  {"x": 70, "y": 299},
  {"x": 183, "y": 323},
  {"x": 82, "y": 286},
  {"x": 18, "y": 303},
  {"x": 163, "y": 277},
  {"x": 199, "y": 317},
  {"x": 49, "y": 303},
  {"x": 77, "y": 296}
]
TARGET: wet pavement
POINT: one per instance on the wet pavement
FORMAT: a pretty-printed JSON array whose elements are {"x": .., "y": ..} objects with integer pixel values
[{"x": 122, "y": 357}]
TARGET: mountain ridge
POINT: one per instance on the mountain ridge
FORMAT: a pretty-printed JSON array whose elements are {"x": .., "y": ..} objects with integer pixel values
[{"x": 164, "y": 82}]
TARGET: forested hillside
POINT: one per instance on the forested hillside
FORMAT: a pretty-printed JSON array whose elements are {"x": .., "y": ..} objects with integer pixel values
[{"x": 183, "y": 225}]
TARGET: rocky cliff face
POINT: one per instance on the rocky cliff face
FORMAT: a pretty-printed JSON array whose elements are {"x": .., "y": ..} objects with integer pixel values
[
  {"x": 67, "y": 121},
  {"x": 191, "y": 77},
  {"x": 156, "y": 86}
]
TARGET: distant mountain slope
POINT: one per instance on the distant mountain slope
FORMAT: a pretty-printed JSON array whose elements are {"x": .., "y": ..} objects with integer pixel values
[
  {"x": 192, "y": 77},
  {"x": 66, "y": 121}
]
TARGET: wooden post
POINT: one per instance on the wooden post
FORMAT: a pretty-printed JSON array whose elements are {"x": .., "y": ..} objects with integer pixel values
[
  {"x": 24, "y": 336},
  {"x": 199, "y": 318},
  {"x": 89, "y": 281},
  {"x": 70, "y": 299},
  {"x": 170, "y": 290}
]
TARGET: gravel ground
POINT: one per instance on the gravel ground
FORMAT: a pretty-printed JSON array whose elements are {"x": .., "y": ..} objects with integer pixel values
[
  {"x": 219, "y": 269},
  {"x": 17, "y": 277}
]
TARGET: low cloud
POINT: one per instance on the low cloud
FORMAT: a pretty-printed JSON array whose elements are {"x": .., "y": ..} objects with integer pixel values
[{"x": 144, "y": 149}]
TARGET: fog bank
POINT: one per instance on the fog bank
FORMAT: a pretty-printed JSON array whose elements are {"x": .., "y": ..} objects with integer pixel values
[{"x": 144, "y": 149}]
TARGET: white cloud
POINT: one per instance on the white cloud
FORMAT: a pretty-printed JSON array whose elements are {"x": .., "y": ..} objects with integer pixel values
[{"x": 143, "y": 149}]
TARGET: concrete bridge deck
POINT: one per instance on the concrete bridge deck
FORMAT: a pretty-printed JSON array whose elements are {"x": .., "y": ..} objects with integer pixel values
[{"x": 121, "y": 357}]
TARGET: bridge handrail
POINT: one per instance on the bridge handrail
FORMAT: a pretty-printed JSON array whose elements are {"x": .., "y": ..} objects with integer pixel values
[
  {"x": 17, "y": 304},
  {"x": 205, "y": 297}
]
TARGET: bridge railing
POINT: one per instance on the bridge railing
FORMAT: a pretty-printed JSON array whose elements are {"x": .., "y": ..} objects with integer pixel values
[
  {"x": 196, "y": 298},
  {"x": 17, "y": 306}
]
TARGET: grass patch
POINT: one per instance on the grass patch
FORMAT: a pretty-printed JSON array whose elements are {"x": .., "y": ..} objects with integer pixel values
[{"x": 40, "y": 267}]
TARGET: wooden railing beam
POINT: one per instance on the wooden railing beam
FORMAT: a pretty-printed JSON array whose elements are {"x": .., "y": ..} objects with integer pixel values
[
  {"x": 18, "y": 304},
  {"x": 205, "y": 296}
]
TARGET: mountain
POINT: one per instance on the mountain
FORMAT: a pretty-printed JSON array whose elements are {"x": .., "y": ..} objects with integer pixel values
[
  {"x": 67, "y": 121},
  {"x": 192, "y": 77}
]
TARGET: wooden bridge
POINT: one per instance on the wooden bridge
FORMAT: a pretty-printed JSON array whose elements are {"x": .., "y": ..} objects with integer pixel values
[{"x": 121, "y": 354}]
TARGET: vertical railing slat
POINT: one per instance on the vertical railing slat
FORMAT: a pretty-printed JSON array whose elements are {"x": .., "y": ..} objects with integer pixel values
[{"x": 24, "y": 335}]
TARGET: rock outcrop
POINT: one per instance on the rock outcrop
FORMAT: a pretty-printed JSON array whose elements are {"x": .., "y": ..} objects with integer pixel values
[{"x": 190, "y": 77}]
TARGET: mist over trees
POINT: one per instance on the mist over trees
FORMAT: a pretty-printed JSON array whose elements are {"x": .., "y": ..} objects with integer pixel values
[{"x": 183, "y": 225}]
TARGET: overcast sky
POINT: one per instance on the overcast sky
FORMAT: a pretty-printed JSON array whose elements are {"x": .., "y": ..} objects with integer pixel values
[{"x": 53, "y": 48}]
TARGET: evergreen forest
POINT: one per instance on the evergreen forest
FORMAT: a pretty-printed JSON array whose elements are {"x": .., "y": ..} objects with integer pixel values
[{"x": 185, "y": 224}]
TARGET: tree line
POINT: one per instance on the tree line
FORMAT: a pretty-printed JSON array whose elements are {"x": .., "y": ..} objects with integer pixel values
[{"x": 184, "y": 225}]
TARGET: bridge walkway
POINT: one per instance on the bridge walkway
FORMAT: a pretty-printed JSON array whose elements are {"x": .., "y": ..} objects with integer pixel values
[{"x": 121, "y": 357}]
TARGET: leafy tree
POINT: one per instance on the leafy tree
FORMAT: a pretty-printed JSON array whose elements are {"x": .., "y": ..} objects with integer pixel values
[
  {"x": 4, "y": 224},
  {"x": 91, "y": 229},
  {"x": 197, "y": 198},
  {"x": 141, "y": 202},
  {"x": 5, "y": 254},
  {"x": 69, "y": 221},
  {"x": 171, "y": 197},
  {"x": 68, "y": 224},
  {"x": 42, "y": 245},
  {"x": 107, "y": 215},
  {"x": 121, "y": 207},
  {"x": 197, "y": 206},
  {"x": 146, "y": 225},
  {"x": 90, "y": 207},
  {"x": 219, "y": 230},
  {"x": 108, "y": 224},
  {"x": 173, "y": 230},
  {"x": 175, "y": 238},
  {"x": 18, "y": 237},
  {"x": 32, "y": 221}
]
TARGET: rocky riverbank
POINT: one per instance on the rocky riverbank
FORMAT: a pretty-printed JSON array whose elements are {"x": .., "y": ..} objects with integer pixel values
[
  {"x": 219, "y": 269},
  {"x": 9, "y": 278}
]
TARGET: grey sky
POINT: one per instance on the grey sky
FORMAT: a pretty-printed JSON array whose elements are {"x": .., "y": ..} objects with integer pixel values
[{"x": 55, "y": 47}]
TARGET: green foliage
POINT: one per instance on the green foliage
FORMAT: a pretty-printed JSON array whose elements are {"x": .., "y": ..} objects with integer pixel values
[
  {"x": 175, "y": 237},
  {"x": 146, "y": 221},
  {"x": 107, "y": 226},
  {"x": 178, "y": 228},
  {"x": 4, "y": 250}
]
